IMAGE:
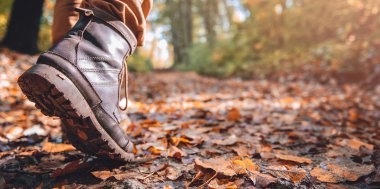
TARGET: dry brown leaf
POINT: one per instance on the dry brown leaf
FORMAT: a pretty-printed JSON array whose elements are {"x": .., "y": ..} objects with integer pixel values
[
  {"x": 29, "y": 153},
  {"x": 159, "y": 167},
  {"x": 154, "y": 150},
  {"x": 104, "y": 175},
  {"x": 243, "y": 151},
  {"x": 70, "y": 168},
  {"x": 261, "y": 180},
  {"x": 173, "y": 173},
  {"x": 289, "y": 173},
  {"x": 239, "y": 167},
  {"x": 3, "y": 154},
  {"x": 267, "y": 155},
  {"x": 177, "y": 140},
  {"x": 216, "y": 184},
  {"x": 263, "y": 148},
  {"x": 57, "y": 147},
  {"x": 292, "y": 158},
  {"x": 219, "y": 165},
  {"x": 356, "y": 144},
  {"x": 233, "y": 114},
  {"x": 132, "y": 129},
  {"x": 242, "y": 166},
  {"x": 341, "y": 170},
  {"x": 168, "y": 187},
  {"x": 339, "y": 151},
  {"x": 128, "y": 175},
  {"x": 250, "y": 166},
  {"x": 227, "y": 141},
  {"x": 175, "y": 152},
  {"x": 150, "y": 123}
]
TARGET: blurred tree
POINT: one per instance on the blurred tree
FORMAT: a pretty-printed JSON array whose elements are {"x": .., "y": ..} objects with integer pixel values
[
  {"x": 23, "y": 26},
  {"x": 180, "y": 18},
  {"x": 210, "y": 14}
]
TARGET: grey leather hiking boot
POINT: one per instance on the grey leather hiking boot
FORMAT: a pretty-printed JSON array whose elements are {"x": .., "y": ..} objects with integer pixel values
[{"x": 82, "y": 79}]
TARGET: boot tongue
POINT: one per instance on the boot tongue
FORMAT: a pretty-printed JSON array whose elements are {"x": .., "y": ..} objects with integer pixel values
[{"x": 123, "y": 88}]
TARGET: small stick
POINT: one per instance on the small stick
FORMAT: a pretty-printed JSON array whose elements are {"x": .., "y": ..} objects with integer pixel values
[{"x": 209, "y": 180}]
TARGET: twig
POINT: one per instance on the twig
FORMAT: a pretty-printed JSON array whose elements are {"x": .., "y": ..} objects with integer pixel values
[
  {"x": 155, "y": 171},
  {"x": 279, "y": 170},
  {"x": 209, "y": 180},
  {"x": 144, "y": 160},
  {"x": 196, "y": 177}
]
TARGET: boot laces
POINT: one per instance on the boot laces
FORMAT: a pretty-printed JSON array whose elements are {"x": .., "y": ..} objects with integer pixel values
[{"x": 123, "y": 89}]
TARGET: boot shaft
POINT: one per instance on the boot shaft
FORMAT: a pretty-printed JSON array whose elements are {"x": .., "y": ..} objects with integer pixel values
[{"x": 97, "y": 36}]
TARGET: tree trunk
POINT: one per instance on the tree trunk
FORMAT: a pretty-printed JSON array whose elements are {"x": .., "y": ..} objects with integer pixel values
[
  {"x": 229, "y": 12},
  {"x": 23, "y": 26},
  {"x": 187, "y": 28},
  {"x": 210, "y": 14},
  {"x": 174, "y": 15},
  {"x": 181, "y": 22}
]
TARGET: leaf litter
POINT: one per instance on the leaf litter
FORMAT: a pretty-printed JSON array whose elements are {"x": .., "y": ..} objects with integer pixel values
[{"x": 193, "y": 131}]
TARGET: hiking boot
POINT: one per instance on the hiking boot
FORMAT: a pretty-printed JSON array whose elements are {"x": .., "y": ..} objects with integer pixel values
[{"x": 83, "y": 80}]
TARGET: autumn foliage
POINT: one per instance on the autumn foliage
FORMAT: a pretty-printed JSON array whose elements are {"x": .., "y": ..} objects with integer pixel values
[{"x": 192, "y": 131}]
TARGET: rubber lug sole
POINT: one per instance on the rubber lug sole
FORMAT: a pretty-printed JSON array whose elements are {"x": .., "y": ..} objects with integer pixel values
[{"x": 56, "y": 95}]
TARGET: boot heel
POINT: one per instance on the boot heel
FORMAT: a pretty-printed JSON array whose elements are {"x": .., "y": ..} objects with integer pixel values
[{"x": 50, "y": 89}]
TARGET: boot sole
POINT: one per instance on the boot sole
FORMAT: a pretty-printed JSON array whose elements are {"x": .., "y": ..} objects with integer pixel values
[{"x": 56, "y": 95}]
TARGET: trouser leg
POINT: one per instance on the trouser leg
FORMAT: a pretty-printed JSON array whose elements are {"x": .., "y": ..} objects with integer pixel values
[
  {"x": 132, "y": 12},
  {"x": 65, "y": 17}
]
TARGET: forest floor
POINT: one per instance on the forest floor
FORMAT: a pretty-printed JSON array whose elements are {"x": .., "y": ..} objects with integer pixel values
[{"x": 193, "y": 131}]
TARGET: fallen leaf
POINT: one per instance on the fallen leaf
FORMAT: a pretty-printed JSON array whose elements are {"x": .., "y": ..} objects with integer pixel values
[
  {"x": 227, "y": 141},
  {"x": 341, "y": 170},
  {"x": 29, "y": 153},
  {"x": 173, "y": 173},
  {"x": 6, "y": 153},
  {"x": 239, "y": 167},
  {"x": 133, "y": 129},
  {"x": 175, "y": 152},
  {"x": 128, "y": 176},
  {"x": 154, "y": 150},
  {"x": 242, "y": 166},
  {"x": 289, "y": 173},
  {"x": 216, "y": 184},
  {"x": 243, "y": 151},
  {"x": 104, "y": 175},
  {"x": 267, "y": 155},
  {"x": 219, "y": 165},
  {"x": 261, "y": 180},
  {"x": 356, "y": 144},
  {"x": 250, "y": 166},
  {"x": 70, "y": 168},
  {"x": 57, "y": 147},
  {"x": 233, "y": 114},
  {"x": 150, "y": 123},
  {"x": 295, "y": 159},
  {"x": 158, "y": 167},
  {"x": 177, "y": 140},
  {"x": 167, "y": 187}
]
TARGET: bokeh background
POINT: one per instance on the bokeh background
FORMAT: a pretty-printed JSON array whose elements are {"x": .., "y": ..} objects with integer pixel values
[{"x": 253, "y": 38}]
